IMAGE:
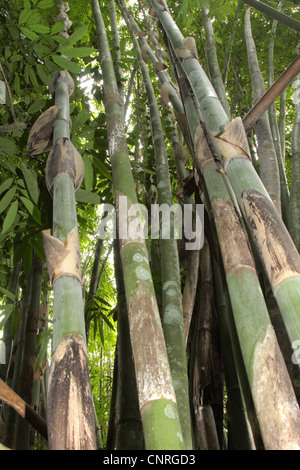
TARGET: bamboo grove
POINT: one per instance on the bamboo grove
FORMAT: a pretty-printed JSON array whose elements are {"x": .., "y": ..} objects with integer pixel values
[{"x": 110, "y": 106}]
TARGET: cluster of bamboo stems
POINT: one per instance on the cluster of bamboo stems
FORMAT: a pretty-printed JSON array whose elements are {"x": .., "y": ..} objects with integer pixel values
[{"x": 173, "y": 347}]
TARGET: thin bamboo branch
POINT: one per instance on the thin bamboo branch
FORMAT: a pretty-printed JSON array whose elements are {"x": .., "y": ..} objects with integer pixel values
[
  {"x": 272, "y": 94},
  {"x": 23, "y": 409}
]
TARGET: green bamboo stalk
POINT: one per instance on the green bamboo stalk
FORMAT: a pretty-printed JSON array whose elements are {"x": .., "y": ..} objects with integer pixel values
[
  {"x": 7, "y": 330},
  {"x": 29, "y": 354},
  {"x": 236, "y": 163},
  {"x": 157, "y": 400},
  {"x": 94, "y": 282},
  {"x": 279, "y": 257},
  {"x": 272, "y": 109},
  {"x": 213, "y": 64},
  {"x": 168, "y": 90},
  {"x": 172, "y": 315},
  {"x": 116, "y": 44},
  {"x": 203, "y": 357},
  {"x": 13, "y": 379},
  {"x": 230, "y": 43},
  {"x": 294, "y": 211},
  {"x": 268, "y": 161},
  {"x": 239, "y": 429},
  {"x": 274, "y": 14},
  {"x": 69, "y": 374},
  {"x": 284, "y": 190},
  {"x": 256, "y": 335},
  {"x": 254, "y": 329},
  {"x": 281, "y": 123},
  {"x": 129, "y": 435}
]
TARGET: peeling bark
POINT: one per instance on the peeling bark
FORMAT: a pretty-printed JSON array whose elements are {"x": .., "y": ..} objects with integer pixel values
[
  {"x": 233, "y": 142},
  {"x": 279, "y": 416},
  {"x": 70, "y": 407},
  {"x": 41, "y": 134},
  {"x": 236, "y": 254},
  {"x": 280, "y": 257}
]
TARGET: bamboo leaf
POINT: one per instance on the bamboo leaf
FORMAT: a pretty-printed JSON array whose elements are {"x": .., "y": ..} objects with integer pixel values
[
  {"x": 8, "y": 294},
  {"x": 6, "y": 184},
  {"x": 57, "y": 27},
  {"x": 43, "y": 74},
  {"x": 88, "y": 173},
  {"x": 111, "y": 326},
  {"x": 78, "y": 34},
  {"x": 6, "y": 311},
  {"x": 45, "y": 4},
  {"x": 7, "y": 146},
  {"x": 42, "y": 336},
  {"x": 42, "y": 352},
  {"x": 7, "y": 198},
  {"x": 24, "y": 15},
  {"x": 33, "y": 79},
  {"x": 10, "y": 216},
  {"x": 77, "y": 51},
  {"x": 32, "y": 209},
  {"x": 39, "y": 28},
  {"x": 66, "y": 64},
  {"x": 37, "y": 106},
  {"x": 31, "y": 182},
  {"x": 29, "y": 33},
  {"x": 38, "y": 247},
  {"x": 102, "y": 169},
  {"x": 81, "y": 118},
  {"x": 87, "y": 197}
]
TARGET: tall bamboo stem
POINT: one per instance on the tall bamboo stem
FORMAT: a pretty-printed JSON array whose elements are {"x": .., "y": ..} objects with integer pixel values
[
  {"x": 154, "y": 383},
  {"x": 68, "y": 380}
]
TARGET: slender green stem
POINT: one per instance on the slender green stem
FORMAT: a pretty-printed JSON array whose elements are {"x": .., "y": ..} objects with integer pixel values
[{"x": 274, "y": 14}]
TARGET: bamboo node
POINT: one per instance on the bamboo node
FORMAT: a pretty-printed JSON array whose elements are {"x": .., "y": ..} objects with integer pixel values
[
  {"x": 64, "y": 158},
  {"x": 62, "y": 76},
  {"x": 63, "y": 258},
  {"x": 190, "y": 44},
  {"x": 233, "y": 142}
]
